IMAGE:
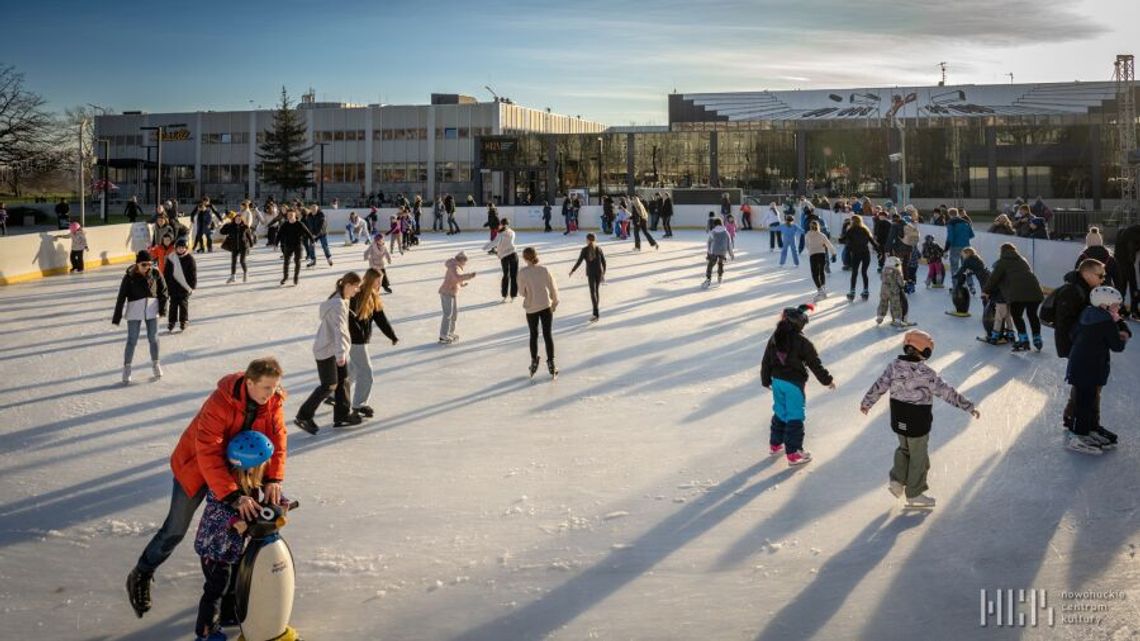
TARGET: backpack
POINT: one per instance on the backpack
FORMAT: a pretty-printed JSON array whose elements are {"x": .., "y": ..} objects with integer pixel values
[{"x": 1048, "y": 311}]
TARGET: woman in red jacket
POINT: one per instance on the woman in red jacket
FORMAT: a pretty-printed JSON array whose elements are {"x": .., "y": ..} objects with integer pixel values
[{"x": 249, "y": 400}]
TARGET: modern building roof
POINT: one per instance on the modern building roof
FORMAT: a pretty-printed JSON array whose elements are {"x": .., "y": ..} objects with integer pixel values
[{"x": 964, "y": 101}]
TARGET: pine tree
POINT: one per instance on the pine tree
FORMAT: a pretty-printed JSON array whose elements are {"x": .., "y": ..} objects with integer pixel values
[{"x": 283, "y": 156}]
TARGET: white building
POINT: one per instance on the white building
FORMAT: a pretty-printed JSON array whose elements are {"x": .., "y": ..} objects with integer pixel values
[{"x": 411, "y": 149}]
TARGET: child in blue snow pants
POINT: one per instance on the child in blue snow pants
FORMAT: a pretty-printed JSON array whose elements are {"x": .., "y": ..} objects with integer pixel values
[{"x": 788, "y": 415}]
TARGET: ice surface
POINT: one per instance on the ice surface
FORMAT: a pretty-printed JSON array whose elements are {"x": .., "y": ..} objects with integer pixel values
[{"x": 632, "y": 499}]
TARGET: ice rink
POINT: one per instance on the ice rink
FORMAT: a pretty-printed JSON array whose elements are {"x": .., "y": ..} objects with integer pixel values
[{"x": 632, "y": 498}]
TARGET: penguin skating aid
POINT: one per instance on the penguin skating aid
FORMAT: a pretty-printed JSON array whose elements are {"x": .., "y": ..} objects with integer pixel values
[{"x": 266, "y": 578}]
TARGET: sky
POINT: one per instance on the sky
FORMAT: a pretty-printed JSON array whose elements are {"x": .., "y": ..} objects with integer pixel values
[{"x": 612, "y": 61}]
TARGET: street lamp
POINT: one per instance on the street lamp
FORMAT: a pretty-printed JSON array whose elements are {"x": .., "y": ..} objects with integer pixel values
[
  {"x": 160, "y": 130},
  {"x": 106, "y": 143},
  {"x": 599, "y": 170},
  {"x": 321, "y": 183}
]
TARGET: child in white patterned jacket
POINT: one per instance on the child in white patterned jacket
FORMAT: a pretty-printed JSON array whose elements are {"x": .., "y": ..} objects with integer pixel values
[{"x": 913, "y": 386}]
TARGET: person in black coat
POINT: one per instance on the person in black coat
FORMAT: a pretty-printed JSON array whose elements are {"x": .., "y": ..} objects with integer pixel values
[
  {"x": 181, "y": 277},
  {"x": 492, "y": 223},
  {"x": 1069, "y": 300},
  {"x": 667, "y": 215},
  {"x": 1099, "y": 332},
  {"x": 239, "y": 238},
  {"x": 204, "y": 218},
  {"x": 320, "y": 228},
  {"x": 881, "y": 232},
  {"x": 293, "y": 237},
  {"x": 142, "y": 299},
  {"x": 133, "y": 211},
  {"x": 546, "y": 211},
  {"x": 858, "y": 242},
  {"x": 595, "y": 261}
]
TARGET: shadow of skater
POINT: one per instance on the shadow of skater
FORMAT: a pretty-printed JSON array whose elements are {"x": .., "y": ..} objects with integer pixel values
[
  {"x": 564, "y": 603},
  {"x": 818, "y": 603}
]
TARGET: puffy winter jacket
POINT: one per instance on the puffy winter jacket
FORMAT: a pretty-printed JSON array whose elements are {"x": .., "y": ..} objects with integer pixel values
[
  {"x": 719, "y": 243},
  {"x": 858, "y": 240},
  {"x": 958, "y": 233},
  {"x": 200, "y": 456},
  {"x": 793, "y": 365},
  {"x": 189, "y": 273},
  {"x": 1016, "y": 280},
  {"x": 973, "y": 266},
  {"x": 1070, "y": 299},
  {"x": 136, "y": 286},
  {"x": 1100, "y": 252},
  {"x": 1094, "y": 336},
  {"x": 239, "y": 237},
  {"x": 292, "y": 234},
  {"x": 913, "y": 386}
]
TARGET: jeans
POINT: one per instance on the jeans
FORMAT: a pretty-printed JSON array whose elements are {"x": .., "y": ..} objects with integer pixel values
[
  {"x": 179, "y": 311},
  {"x": 818, "y": 263},
  {"x": 325, "y": 246},
  {"x": 450, "y": 305},
  {"x": 654, "y": 219},
  {"x": 352, "y": 237},
  {"x": 133, "y": 329},
  {"x": 532, "y": 320},
  {"x": 784, "y": 253},
  {"x": 912, "y": 462},
  {"x": 955, "y": 263},
  {"x": 174, "y": 528},
  {"x": 333, "y": 380},
  {"x": 437, "y": 223},
  {"x": 510, "y": 275},
  {"x": 667, "y": 223},
  {"x": 220, "y": 582},
  {"x": 360, "y": 374},
  {"x": 1029, "y": 309},
  {"x": 859, "y": 264},
  {"x": 452, "y": 226}
]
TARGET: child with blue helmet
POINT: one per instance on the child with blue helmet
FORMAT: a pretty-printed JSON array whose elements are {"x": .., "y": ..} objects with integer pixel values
[{"x": 218, "y": 544}]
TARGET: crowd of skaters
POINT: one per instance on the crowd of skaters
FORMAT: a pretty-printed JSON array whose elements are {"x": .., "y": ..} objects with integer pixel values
[{"x": 1086, "y": 313}]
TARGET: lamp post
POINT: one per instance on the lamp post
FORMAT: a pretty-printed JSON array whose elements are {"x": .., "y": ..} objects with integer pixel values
[
  {"x": 106, "y": 144},
  {"x": 321, "y": 181},
  {"x": 82, "y": 187},
  {"x": 600, "y": 170},
  {"x": 146, "y": 197},
  {"x": 159, "y": 130}
]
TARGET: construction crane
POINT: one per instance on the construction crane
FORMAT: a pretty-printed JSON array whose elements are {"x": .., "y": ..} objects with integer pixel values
[
  {"x": 492, "y": 92},
  {"x": 1126, "y": 150}
]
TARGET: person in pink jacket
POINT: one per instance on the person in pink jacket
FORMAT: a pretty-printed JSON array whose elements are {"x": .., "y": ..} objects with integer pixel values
[{"x": 449, "y": 296}]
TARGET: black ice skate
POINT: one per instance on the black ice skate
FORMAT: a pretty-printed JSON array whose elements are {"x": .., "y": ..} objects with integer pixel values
[{"x": 533, "y": 366}]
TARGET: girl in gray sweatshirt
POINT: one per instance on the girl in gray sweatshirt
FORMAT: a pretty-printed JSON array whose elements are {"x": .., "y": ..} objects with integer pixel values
[{"x": 330, "y": 349}]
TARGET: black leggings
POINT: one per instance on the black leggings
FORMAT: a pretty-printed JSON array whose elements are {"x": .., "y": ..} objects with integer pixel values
[
  {"x": 859, "y": 263},
  {"x": 593, "y": 282},
  {"x": 234, "y": 257},
  {"x": 221, "y": 579},
  {"x": 179, "y": 311},
  {"x": 333, "y": 381},
  {"x": 293, "y": 253},
  {"x": 818, "y": 263},
  {"x": 639, "y": 226},
  {"x": 532, "y": 319},
  {"x": 510, "y": 275},
  {"x": 774, "y": 239},
  {"x": 1016, "y": 309},
  {"x": 718, "y": 261}
]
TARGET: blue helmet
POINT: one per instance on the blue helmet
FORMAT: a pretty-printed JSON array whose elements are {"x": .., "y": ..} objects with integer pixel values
[{"x": 249, "y": 449}]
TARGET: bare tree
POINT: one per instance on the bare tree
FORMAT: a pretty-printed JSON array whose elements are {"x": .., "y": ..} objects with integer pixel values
[{"x": 29, "y": 137}]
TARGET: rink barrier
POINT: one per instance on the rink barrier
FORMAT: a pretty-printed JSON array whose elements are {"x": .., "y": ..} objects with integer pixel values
[{"x": 28, "y": 257}]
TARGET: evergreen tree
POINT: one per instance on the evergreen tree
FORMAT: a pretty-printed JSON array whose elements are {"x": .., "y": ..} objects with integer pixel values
[{"x": 283, "y": 157}]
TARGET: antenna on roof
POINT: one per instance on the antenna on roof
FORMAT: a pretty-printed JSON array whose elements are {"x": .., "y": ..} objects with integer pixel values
[
  {"x": 942, "y": 82},
  {"x": 1010, "y": 74}
]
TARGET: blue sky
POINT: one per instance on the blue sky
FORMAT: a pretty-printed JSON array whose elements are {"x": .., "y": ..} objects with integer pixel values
[{"x": 612, "y": 60}]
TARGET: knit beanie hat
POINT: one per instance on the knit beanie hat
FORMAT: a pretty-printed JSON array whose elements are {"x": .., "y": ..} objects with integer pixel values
[
  {"x": 143, "y": 257},
  {"x": 181, "y": 242},
  {"x": 797, "y": 316},
  {"x": 1093, "y": 238}
]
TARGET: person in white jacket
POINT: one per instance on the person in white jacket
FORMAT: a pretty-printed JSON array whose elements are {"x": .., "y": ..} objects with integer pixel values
[
  {"x": 330, "y": 349},
  {"x": 379, "y": 258},
  {"x": 509, "y": 258},
  {"x": 357, "y": 229},
  {"x": 771, "y": 220}
]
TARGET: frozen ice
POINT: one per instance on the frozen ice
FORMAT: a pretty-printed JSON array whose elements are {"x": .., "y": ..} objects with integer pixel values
[{"x": 632, "y": 499}]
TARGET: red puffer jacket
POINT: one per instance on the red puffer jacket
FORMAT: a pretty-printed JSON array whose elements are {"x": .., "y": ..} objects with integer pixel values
[{"x": 200, "y": 457}]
